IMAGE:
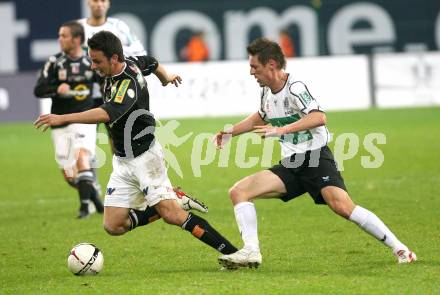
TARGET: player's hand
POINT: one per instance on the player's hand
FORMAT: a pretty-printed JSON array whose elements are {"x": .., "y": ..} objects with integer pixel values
[
  {"x": 63, "y": 89},
  {"x": 269, "y": 131},
  {"x": 173, "y": 78},
  {"x": 46, "y": 121},
  {"x": 221, "y": 138}
]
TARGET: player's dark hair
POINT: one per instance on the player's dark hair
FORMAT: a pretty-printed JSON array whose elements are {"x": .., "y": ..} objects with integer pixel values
[
  {"x": 76, "y": 29},
  {"x": 265, "y": 50},
  {"x": 108, "y": 43}
]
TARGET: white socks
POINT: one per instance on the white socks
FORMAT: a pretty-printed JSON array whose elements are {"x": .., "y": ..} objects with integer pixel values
[
  {"x": 370, "y": 223},
  {"x": 246, "y": 217}
]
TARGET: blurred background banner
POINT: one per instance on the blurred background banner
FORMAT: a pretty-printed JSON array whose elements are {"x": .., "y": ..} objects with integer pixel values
[
  {"x": 318, "y": 27},
  {"x": 352, "y": 55}
]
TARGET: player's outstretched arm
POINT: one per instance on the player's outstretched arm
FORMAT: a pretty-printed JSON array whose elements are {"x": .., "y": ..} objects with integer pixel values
[
  {"x": 166, "y": 78},
  {"x": 97, "y": 115},
  {"x": 241, "y": 127}
]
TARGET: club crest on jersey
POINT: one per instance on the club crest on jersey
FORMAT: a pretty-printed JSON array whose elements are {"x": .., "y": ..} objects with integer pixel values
[
  {"x": 62, "y": 74},
  {"x": 75, "y": 67},
  {"x": 122, "y": 90}
]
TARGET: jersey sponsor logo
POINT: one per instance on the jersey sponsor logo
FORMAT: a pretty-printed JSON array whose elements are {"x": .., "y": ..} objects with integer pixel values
[
  {"x": 119, "y": 98},
  {"x": 296, "y": 137},
  {"x": 62, "y": 74},
  {"x": 305, "y": 98},
  {"x": 81, "y": 92}
]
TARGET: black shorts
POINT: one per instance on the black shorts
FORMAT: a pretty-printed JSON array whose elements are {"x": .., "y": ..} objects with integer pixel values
[{"x": 309, "y": 172}]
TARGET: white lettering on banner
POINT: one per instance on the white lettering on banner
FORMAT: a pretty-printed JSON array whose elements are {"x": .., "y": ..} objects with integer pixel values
[
  {"x": 238, "y": 25},
  {"x": 342, "y": 37},
  {"x": 11, "y": 30},
  {"x": 4, "y": 99},
  {"x": 165, "y": 32}
]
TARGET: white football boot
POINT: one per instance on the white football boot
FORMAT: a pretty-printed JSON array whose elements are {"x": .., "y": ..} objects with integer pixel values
[
  {"x": 189, "y": 203},
  {"x": 405, "y": 256},
  {"x": 242, "y": 258}
]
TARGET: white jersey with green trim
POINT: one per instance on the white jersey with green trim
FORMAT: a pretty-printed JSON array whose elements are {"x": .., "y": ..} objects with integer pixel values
[
  {"x": 290, "y": 104},
  {"x": 130, "y": 43}
]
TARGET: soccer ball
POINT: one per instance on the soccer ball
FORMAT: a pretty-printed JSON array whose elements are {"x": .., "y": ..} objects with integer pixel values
[{"x": 85, "y": 259}]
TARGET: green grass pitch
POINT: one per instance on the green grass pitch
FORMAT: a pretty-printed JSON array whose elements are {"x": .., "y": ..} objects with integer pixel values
[{"x": 306, "y": 248}]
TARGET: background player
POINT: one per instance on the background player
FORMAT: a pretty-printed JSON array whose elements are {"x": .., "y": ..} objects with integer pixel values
[{"x": 68, "y": 79}]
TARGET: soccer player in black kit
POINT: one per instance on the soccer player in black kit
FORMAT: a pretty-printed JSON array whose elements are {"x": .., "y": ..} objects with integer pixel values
[
  {"x": 139, "y": 180},
  {"x": 67, "y": 78}
]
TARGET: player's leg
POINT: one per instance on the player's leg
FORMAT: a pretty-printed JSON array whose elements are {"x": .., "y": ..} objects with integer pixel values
[
  {"x": 84, "y": 183},
  {"x": 340, "y": 202},
  {"x": 70, "y": 177},
  {"x": 159, "y": 193},
  {"x": 197, "y": 226},
  {"x": 263, "y": 184},
  {"x": 86, "y": 143},
  {"x": 116, "y": 220},
  {"x": 66, "y": 154}
]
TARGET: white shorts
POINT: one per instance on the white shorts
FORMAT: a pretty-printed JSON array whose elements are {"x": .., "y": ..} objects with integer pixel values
[
  {"x": 139, "y": 182},
  {"x": 68, "y": 140}
]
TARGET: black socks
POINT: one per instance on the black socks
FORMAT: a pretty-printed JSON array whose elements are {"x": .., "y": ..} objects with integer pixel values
[{"x": 202, "y": 230}]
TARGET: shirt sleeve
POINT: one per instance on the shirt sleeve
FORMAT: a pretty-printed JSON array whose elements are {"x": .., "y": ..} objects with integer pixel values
[
  {"x": 47, "y": 81},
  {"x": 303, "y": 99},
  {"x": 123, "y": 98},
  {"x": 147, "y": 64}
]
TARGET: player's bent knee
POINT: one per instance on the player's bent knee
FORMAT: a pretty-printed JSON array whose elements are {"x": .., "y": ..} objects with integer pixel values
[
  {"x": 174, "y": 217},
  {"x": 341, "y": 208},
  {"x": 114, "y": 230},
  {"x": 235, "y": 193}
]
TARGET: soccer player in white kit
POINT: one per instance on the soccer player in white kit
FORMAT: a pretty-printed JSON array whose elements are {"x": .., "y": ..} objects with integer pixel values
[
  {"x": 307, "y": 166},
  {"x": 98, "y": 21}
]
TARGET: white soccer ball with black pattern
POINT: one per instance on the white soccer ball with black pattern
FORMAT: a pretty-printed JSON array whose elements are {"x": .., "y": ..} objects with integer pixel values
[{"x": 85, "y": 259}]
